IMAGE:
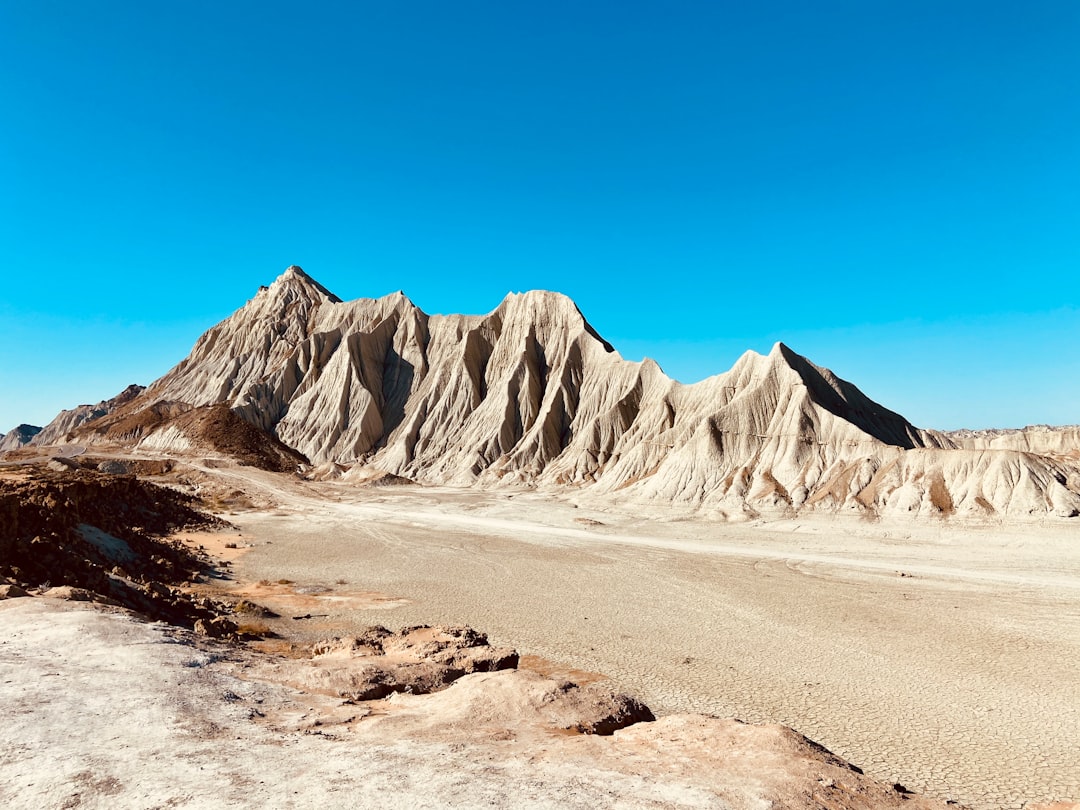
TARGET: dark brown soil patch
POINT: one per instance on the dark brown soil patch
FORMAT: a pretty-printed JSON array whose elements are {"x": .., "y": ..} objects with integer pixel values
[{"x": 105, "y": 534}]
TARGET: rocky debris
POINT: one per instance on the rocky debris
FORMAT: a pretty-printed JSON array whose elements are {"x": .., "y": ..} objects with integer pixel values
[
  {"x": 218, "y": 627},
  {"x": 112, "y": 466},
  {"x": 414, "y": 660},
  {"x": 424, "y": 659},
  {"x": 82, "y": 535},
  {"x": 602, "y": 711},
  {"x": 62, "y": 464},
  {"x": 115, "y": 467},
  {"x": 495, "y": 702}
]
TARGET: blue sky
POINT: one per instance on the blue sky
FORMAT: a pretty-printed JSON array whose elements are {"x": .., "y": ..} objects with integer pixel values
[{"x": 891, "y": 188}]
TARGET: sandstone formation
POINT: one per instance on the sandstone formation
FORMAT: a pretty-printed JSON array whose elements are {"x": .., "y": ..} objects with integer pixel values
[
  {"x": 1042, "y": 439},
  {"x": 230, "y": 730},
  {"x": 423, "y": 659},
  {"x": 414, "y": 660},
  {"x": 18, "y": 437},
  {"x": 530, "y": 395},
  {"x": 67, "y": 421}
]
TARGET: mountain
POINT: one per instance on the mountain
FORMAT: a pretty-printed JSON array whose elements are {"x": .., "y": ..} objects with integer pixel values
[
  {"x": 531, "y": 395},
  {"x": 68, "y": 421},
  {"x": 18, "y": 437},
  {"x": 1043, "y": 439}
]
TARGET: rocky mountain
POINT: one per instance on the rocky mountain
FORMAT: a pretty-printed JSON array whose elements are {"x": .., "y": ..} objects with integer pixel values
[
  {"x": 530, "y": 394},
  {"x": 70, "y": 420},
  {"x": 1043, "y": 439},
  {"x": 18, "y": 437}
]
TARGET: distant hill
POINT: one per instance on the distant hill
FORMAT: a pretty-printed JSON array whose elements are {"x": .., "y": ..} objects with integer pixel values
[{"x": 18, "y": 437}]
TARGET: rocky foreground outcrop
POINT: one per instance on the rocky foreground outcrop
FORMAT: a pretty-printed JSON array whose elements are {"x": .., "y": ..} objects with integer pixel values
[
  {"x": 90, "y": 698},
  {"x": 88, "y": 536},
  {"x": 424, "y": 659},
  {"x": 530, "y": 395},
  {"x": 1063, "y": 441}
]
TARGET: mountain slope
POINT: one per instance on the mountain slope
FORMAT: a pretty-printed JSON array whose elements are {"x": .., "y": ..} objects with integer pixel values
[
  {"x": 1043, "y": 439},
  {"x": 18, "y": 437},
  {"x": 529, "y": 394},
  {"x": 70, "y": 420}
]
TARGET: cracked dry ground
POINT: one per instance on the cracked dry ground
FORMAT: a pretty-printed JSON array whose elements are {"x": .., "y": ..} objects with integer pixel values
[{"x": 943, "y": 658}]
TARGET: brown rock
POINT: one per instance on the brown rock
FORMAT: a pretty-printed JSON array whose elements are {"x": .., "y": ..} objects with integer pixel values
[
  {"x": 415, "y": 660},
  {"x": 604, "y": 712},
  {"x": 218, "y": 627}
]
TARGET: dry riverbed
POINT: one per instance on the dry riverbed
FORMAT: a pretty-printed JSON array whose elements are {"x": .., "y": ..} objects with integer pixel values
[{"x": 936, "y": 655}]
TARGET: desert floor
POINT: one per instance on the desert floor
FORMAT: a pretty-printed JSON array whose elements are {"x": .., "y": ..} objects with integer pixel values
[{"x": 940, "y": 656}]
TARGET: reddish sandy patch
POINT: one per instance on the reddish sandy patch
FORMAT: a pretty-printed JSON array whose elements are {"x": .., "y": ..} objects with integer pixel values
[
  {"x": 557, "y": 671},
  {"x": 226, "y": 546}
]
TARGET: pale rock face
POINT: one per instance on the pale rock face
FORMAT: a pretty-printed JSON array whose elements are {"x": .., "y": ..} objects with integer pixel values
[
  {"x": 18, "y": 437},
  {"x": 169, "y": 439},
  {"x": 66, "y": 422},
  {"x": 1044, "y": 439},
  {"x": 530, "y": 395}
]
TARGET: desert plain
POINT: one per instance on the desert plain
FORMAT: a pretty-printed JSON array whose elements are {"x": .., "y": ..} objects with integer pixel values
[{"x": 941, "y": 655}]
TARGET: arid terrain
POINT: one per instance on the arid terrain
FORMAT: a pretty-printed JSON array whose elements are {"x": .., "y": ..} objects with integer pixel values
[
  {"x": 768, "y": 544},
  {"x": 104, "y": 711},
  {"x": 938, "y": 656}
]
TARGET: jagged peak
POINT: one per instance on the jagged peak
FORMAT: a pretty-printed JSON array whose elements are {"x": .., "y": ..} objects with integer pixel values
[
  {"x": 398, "y": 297},
  {"x": 541, "y": 295},
  {"x": 25, "y": 429},
  {"x": 783, "y": 357},
  {"x": 542, "y": 302},
  {"x": 783, "y": 367},
  {"x": 294, "y": 280},
  {"x": 548, "y": 306}
]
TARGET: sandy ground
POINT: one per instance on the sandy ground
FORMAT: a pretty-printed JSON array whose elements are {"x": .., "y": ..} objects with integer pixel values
[
  {"x": 938, "y": 656},
  {"x": 104, "y": 710}
]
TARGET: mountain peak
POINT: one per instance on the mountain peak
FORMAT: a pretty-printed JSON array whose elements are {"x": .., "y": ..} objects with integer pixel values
[
  {"x": 18, "y": 437},
  {"x": 294, "y": 279},
  {"x": 544, "y": 301},
  {"x": 556, "y": 310}
]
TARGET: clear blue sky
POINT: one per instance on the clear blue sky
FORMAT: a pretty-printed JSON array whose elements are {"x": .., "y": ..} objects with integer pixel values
[{"x": 892, "y": 188}]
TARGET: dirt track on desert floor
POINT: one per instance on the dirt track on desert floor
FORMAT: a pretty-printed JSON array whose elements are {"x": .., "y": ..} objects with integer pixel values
[{"x": 939, "y": 656}]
